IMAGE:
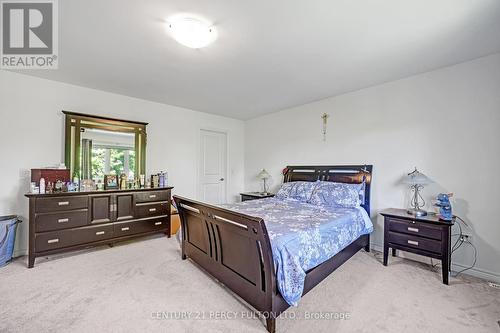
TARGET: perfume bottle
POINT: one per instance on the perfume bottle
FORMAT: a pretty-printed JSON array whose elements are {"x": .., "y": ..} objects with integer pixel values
[
  {"x": 161, "y": 179},
  {"x": 123, "y": 181},
  {"x": 49, "y": 188},
  {"x": 42, "y": 185}
]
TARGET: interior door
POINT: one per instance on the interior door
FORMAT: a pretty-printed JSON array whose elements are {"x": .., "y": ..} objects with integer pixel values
[{"x": 213, "y": 165}]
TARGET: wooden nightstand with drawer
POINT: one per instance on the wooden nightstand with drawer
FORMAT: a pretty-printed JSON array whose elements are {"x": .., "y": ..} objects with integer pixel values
[
  {"x": 245, "y": 196},
  {"x": 426, "y": 235}
]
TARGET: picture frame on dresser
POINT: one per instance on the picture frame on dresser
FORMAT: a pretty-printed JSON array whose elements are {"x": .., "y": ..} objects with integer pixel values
[{"x": 110, "y": 182}]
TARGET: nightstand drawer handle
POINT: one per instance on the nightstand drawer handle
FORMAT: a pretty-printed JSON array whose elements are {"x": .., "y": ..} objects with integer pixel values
[
  {"x": 126, "y": 229},
  {"x": 152, "y": 196},
  {"x": 412, "y": 229},
  {"x": 63, "y": 203},
  {"x": 51, "y": 241},
  {"x": 63, "y": 220},
  {"x": 152, "y": 209},
  {"x": 100, "y": 233},
  {"x": 413, "y": 242},
  {"x": 158, "y": 223}
]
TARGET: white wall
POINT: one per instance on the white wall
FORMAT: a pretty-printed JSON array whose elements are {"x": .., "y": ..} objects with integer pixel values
[
  {"x": 445, "y": 122},
  {"x": 32, "y": 129}
]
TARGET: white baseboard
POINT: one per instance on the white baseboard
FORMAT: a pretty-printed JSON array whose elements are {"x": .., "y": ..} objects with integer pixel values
[
  {"x": 20, "y": 253},
  {"x": 476, "y": 272}
]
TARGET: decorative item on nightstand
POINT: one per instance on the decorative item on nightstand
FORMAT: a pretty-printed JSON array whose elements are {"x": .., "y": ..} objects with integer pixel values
[
  {"x": 443, "y": 202},
  {"x": 264, "y": 175},
  {"x": 417, "y": 180}
]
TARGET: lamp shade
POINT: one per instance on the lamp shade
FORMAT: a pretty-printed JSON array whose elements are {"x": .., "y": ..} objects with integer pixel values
[
  {"x": 416, "y": 178},
  {"x": 263, "y": 174}
]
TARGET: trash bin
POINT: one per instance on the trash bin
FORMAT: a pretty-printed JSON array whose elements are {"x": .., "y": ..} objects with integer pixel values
[{"x": 8, "y": 226}]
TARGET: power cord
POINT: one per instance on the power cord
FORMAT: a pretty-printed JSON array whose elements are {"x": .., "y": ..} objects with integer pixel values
[
  {"x": 473, "y": 263},
  {"x": 458, "y": 243}
]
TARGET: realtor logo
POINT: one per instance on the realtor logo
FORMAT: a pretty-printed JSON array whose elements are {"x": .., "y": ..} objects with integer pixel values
[{"x": 29, "y": 34}]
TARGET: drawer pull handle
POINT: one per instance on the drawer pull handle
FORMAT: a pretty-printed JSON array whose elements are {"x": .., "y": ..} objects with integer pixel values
[
  {"x": 63, "y": 203},
  {"x": 413, "y": 242},
  {"x": 51, "y": 241},
  {"x": 100, "y": 233},
  {"x": 413, "y": 229},
  {"x": 126, "y": 229},
  {"x": 151, "y": 196},
  {"x": 63, "y": 220},
  {"x": 152, "y": 209},
  {"x": 158, "y": 223}
]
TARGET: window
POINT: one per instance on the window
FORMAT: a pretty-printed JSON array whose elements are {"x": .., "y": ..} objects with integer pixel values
[{"x": 108, "y": 160}]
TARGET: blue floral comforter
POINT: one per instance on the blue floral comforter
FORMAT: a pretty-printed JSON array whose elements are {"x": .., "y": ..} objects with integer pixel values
[{"x": 303, "y": 236}]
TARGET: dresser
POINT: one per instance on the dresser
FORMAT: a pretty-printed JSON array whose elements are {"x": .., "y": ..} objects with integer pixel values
[
  {"x": 69, "y": 221},
  {"x": 426, "y": 235}
]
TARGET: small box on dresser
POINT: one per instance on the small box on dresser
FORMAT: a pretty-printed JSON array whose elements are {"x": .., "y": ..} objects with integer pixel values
[
  {"x": 426, "y": 235},
  {"x": 62, "y": 222},
  {"x": 50, "y": 175}
]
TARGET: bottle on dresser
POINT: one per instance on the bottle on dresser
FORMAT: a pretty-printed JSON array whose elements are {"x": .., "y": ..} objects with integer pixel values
[{"x": 42, "y": 185}]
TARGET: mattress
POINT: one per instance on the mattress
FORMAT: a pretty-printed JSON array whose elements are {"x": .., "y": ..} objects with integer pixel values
[{"x": 304, "y": 236}]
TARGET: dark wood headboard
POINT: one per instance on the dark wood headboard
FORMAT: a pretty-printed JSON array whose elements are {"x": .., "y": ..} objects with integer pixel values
[{"x": 351, "y": 174}]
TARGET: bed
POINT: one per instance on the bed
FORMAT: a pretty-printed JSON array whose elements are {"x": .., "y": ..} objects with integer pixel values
[{"x": 254, "y": 258}]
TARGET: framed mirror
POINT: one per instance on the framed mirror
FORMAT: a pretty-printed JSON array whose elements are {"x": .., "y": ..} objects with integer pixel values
[{"x": 97, "y": 146}]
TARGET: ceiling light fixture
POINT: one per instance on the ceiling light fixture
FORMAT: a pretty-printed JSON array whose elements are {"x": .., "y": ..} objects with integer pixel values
[{"x": 192, "y": 32}]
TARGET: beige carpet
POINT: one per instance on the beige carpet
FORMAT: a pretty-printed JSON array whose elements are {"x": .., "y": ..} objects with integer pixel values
[{"x": 135, "y": 287}]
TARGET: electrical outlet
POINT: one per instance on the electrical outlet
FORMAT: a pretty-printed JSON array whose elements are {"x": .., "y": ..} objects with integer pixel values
[
  {"x": 494, "y": 285},
  {"x": 466, "y": 238}
]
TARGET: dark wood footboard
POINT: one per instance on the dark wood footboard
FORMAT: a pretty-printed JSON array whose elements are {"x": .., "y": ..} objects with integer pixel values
[{"x": 236, "y": 250}]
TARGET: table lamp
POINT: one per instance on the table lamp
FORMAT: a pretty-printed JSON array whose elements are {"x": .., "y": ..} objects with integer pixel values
[
  {"x": 417, "y": 180},
  {"x": 264, "y": 175}
]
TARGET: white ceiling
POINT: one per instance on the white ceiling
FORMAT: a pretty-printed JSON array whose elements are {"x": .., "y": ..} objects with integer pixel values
[{"x": 269, "y": 55}]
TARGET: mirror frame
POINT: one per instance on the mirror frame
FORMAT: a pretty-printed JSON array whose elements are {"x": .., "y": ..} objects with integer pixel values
[{"x": 74, "y": 122}]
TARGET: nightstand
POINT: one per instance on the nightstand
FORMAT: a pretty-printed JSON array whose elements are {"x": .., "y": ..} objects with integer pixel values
[
  {"x": 426, "y": 235},
  {"x": 245, "y": 196}
]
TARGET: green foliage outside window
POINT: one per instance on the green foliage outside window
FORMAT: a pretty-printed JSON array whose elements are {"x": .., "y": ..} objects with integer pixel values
[{"x": 116, "y": 162}]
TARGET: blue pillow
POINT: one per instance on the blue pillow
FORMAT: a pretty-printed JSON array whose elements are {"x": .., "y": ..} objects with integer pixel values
[
  {"x": 300, "y": 191},
  {"x": 333, "y": 194}
]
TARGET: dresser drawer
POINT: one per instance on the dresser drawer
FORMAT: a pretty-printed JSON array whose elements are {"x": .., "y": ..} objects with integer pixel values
[
  {"x": 44, "y": 205},
  {"x": 151, "y": 209},
  {"x": 151, "y": 196},
  {"x": 58, "y": 239},
  {"x": 415, "y": 228},
  {"x": 415, "y": 242},
  {"x": 130, "y": 228},
  {"x": 61, "y": 220}
]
